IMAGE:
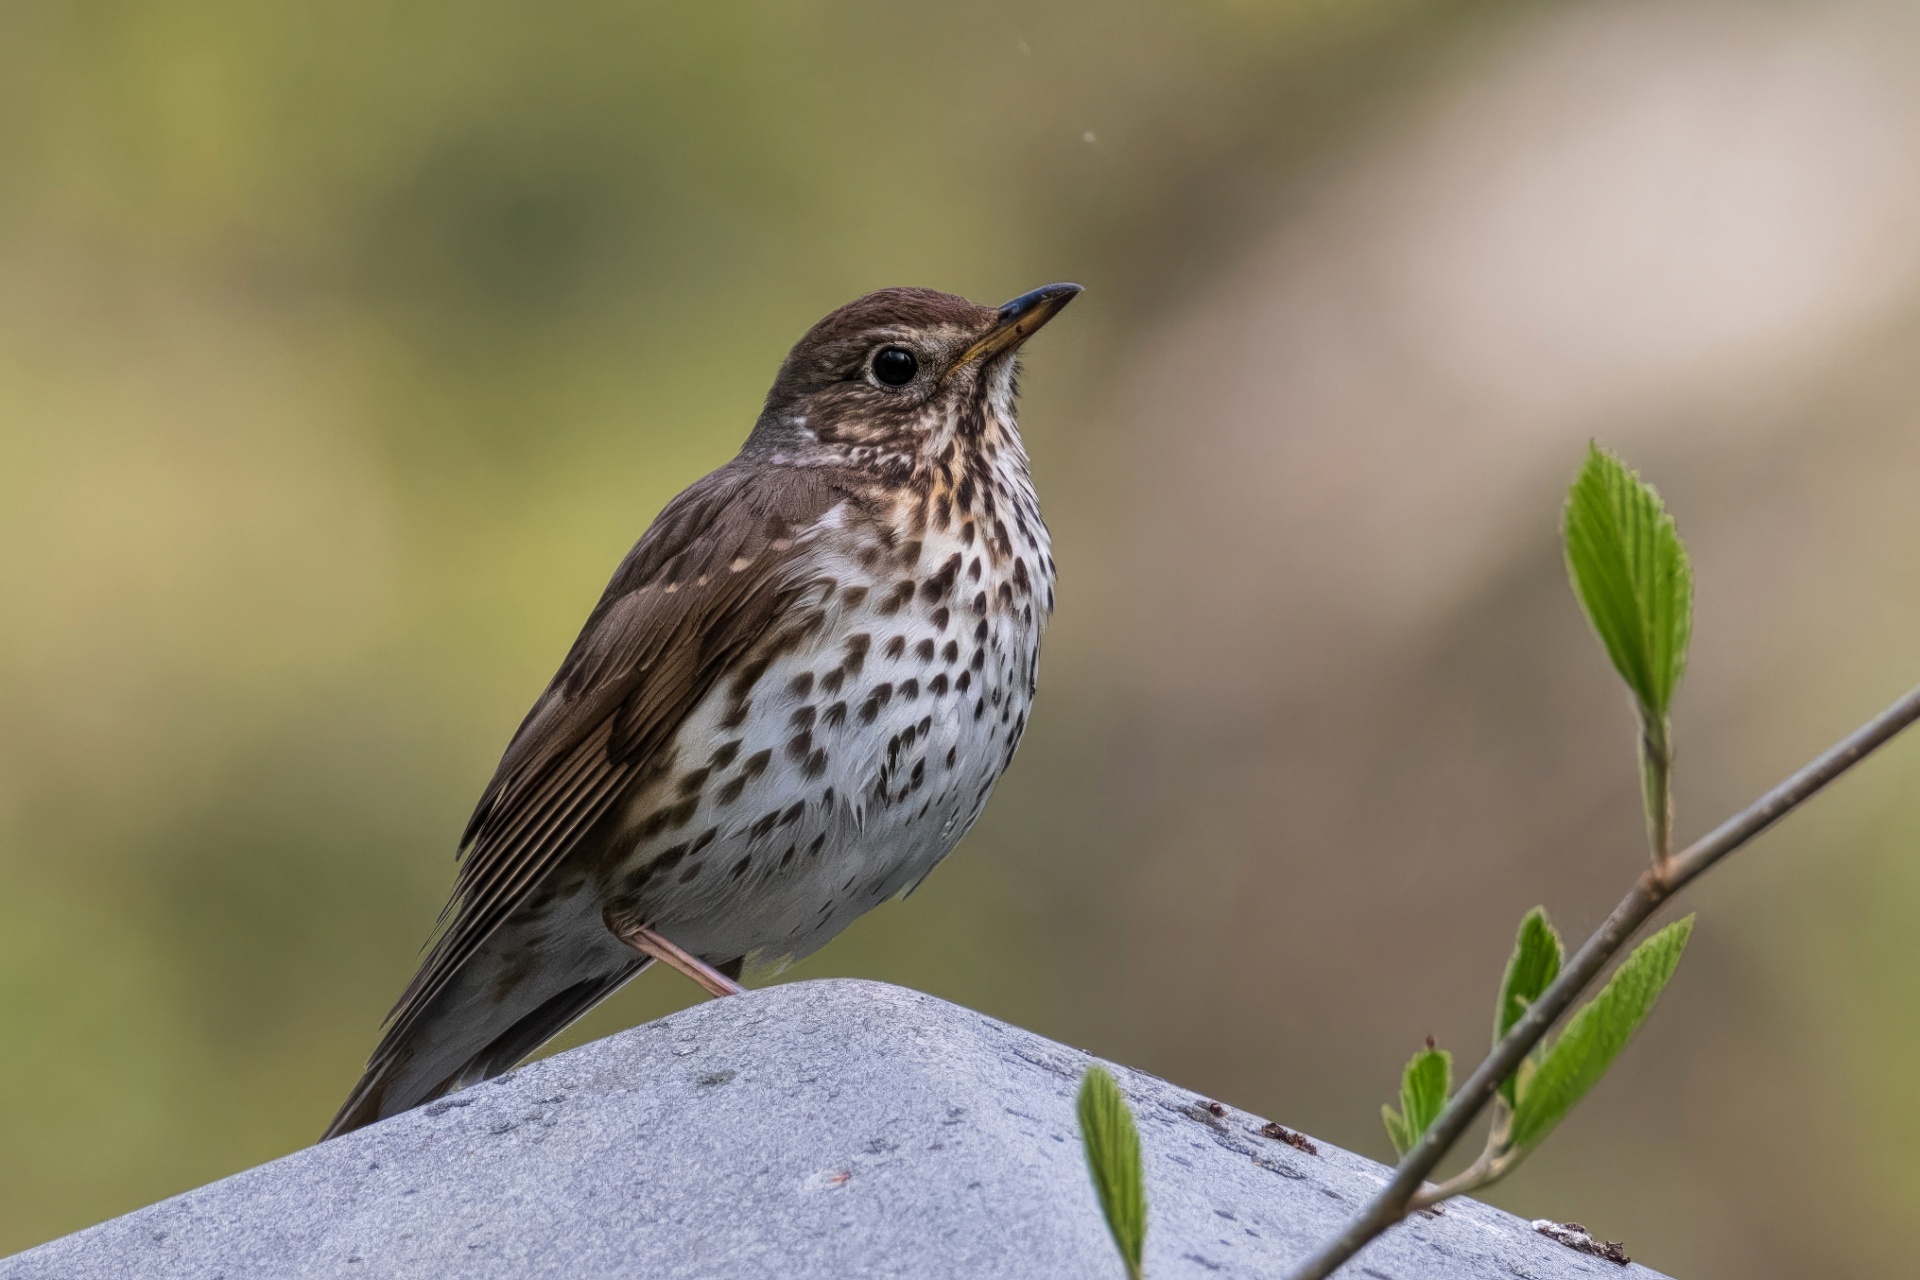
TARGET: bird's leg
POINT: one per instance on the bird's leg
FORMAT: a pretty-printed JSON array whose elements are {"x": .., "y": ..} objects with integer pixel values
[{"x": 647, "y": 942}]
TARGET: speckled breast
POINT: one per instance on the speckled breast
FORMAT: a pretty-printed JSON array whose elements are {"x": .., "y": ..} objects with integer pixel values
[{"x": 859, "y": 743}]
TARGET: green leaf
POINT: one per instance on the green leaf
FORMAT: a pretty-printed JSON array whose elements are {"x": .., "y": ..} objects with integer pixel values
[
  {"x": 1632, "y": 577},
  {"x": 1113, "y": 1158},
  {"x": 1424, "y": 1087},
  {"x": 1595, "y": 1036},
  {"x": 1531, "y": 969},
  {"x": 1396, "y": 1129}
]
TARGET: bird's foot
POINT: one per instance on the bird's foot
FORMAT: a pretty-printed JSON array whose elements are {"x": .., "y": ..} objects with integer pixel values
[{"x": 647, "y": 942}]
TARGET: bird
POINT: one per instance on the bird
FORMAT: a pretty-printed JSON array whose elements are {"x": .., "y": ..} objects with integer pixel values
[{"x": 790, "y": 703}]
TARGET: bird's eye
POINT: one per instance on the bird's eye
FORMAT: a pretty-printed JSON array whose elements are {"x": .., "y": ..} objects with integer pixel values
[{"x": 894, "y": 366}]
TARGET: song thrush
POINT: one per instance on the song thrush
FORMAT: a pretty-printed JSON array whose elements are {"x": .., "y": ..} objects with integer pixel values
[{"x": 790, "y": 703}]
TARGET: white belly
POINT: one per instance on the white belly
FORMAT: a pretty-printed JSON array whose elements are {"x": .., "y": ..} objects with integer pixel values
[{"x": 859, "y": 760}]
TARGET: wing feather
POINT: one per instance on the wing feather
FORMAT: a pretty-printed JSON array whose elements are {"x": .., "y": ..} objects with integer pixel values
[{"x": 700, "y": 589}]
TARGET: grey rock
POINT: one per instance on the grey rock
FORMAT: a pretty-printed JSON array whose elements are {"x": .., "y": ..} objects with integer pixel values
[{"x": 819, "y": 1129}]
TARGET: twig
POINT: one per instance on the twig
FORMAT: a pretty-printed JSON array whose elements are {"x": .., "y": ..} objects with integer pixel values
[{"x": 1650, "y": 891}]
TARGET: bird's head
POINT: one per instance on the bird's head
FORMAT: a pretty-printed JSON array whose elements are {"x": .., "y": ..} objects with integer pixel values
[{"x": 890, "y": 380}]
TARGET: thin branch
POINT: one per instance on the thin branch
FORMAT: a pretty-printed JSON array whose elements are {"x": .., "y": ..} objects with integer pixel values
[
  {"x": 1649, "y": 892},
  {"x": 1485, "y": 1171}
]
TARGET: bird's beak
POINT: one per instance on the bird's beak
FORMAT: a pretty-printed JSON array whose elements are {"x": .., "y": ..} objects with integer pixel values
[{"x": 1018, "y": 321}]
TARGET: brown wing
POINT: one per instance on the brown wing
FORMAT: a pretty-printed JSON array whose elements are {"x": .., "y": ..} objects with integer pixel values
[{"x": 697, "y": 591}]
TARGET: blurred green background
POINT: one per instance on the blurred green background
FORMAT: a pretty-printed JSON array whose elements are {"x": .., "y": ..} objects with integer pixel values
[{"x": 344, "y": 349}]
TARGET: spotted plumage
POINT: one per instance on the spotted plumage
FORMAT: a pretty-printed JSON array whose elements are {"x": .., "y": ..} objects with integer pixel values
[{"x": 791, "y": 702}]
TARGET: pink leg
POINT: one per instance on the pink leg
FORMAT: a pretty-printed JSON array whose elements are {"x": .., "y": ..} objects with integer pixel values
[{"x": 645, "y": 940}]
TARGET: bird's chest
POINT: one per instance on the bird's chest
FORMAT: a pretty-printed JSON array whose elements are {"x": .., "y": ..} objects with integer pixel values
[
  {"x": 935, "y": 678},
  {"x": 864, "y": 745}
]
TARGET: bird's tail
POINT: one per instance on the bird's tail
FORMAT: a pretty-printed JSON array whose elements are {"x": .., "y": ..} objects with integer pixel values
[{"x": 456, "y": 1043}]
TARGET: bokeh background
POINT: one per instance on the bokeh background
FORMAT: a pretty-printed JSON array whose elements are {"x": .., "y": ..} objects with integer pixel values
[{"x": 344, "y": 348}]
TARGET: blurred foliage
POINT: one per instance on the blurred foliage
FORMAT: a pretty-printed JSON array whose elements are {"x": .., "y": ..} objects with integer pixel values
[{"x": 345, "y": 348}]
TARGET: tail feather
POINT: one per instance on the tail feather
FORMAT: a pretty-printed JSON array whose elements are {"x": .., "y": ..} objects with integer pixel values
[{"x": 420, "y": 1068}]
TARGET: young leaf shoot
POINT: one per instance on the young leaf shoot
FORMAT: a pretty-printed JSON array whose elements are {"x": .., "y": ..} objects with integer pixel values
[
  {"x": 1113, "y": 1158},
  {"x": 1534, "y": 964},
  {"x": 1632, "y": 577},
  {"x": 1424, "y": 1087},
  {"x": 1596, "y": 1034}
]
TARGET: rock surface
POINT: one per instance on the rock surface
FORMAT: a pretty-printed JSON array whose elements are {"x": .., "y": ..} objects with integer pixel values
[{"x": 819, "y": 1129}]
